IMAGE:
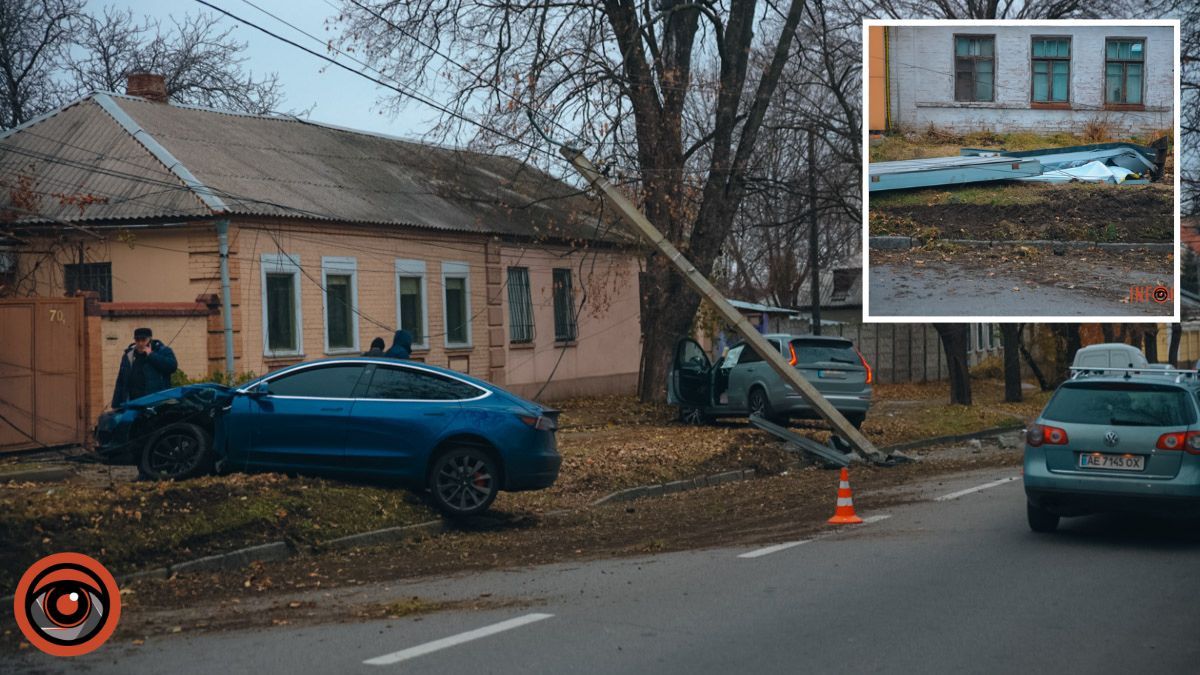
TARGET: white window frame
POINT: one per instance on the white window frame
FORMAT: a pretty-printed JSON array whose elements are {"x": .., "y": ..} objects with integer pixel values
[
  {"x": 340, "y": 266},
  {"x": 456, "y": 270},
  {"x": 414, "y": 268},
  {"x": 281, "y": 263}
]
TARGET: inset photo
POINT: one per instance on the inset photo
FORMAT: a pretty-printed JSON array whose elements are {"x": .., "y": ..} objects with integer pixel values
[{"x": 1021, "y": 170}]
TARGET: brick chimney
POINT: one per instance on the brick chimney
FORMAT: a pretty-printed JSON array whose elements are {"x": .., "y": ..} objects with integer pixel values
[{"x": 149, "y": 86}]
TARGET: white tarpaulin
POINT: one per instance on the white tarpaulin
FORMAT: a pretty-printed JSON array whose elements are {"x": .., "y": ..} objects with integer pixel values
[{"x": 1093, "y": 172}]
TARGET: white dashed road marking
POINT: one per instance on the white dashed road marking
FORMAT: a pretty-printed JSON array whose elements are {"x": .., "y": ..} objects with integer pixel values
[
  {"x": 977, "y": 488},
  {"x": 773, "y": 549},
  {"x": 436, "y": 645},
  {"x": 875, "y": 519}
]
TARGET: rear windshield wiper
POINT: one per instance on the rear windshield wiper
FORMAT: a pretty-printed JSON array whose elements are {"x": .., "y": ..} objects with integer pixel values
[{"x": 838, "y": 359}]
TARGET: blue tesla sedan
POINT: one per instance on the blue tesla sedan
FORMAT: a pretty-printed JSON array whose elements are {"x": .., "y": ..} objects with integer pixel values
[{"x": 420, "y": 426}]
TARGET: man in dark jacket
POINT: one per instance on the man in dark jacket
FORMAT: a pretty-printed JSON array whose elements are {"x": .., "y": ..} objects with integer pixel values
[
  {"x": 401, "y": 345},
  {"x": 377, "y": 346},
  {"x": 146, "y": 367}
]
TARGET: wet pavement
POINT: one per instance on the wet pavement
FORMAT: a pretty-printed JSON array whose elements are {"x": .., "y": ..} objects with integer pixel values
[{"x": 948, "y": 289}]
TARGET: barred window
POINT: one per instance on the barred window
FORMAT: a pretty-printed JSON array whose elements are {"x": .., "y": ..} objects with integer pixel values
[
  {"x": 520, "y": 305},
  {"x": 89, "y": 277},
  {"x": 564, "y": 309}
]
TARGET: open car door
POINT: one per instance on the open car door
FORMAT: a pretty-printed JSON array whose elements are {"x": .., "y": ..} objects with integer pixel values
[{"x": 690, "y": 380}]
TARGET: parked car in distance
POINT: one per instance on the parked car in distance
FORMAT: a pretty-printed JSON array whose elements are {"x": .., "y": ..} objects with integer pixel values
[
  {"x": 419, "y": 426},
  {"x": 742, "y": 383},
  {"x": 1115, "y": 440},
  {"x": 1110, "y": 355}
]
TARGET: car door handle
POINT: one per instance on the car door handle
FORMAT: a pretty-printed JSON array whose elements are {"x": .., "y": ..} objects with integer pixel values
[
  {"x": 332, "y": 409},
  {"x": 435, "y": 414}
]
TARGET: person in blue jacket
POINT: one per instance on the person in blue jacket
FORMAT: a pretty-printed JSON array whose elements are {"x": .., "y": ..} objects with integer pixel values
[
  {"x": 401, "y": 345},
  {"x": 146, "y": 367}
]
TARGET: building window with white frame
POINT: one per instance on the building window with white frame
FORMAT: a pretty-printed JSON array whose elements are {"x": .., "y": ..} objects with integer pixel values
[
  {"x": 339, "y": 278},
  {"x": 281, "y": 305},
  {"x": 412, "y": 310},
  {"x": 456, "y": 282}
]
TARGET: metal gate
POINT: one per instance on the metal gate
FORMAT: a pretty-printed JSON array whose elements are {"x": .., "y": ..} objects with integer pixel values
[{"x": 41, "y": 372}]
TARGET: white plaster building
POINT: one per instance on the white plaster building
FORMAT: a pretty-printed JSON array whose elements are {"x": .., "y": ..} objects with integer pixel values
[{"x": 1038, "y": 78}]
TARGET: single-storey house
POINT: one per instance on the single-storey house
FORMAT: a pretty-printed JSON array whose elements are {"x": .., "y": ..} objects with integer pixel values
[
  {"x": 1043, "y": 78},
  {"x": 336, "y": 236}
]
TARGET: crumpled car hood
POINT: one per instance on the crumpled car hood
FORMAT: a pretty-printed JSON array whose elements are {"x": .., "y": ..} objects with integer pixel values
[{"x": 203, "y": 394}]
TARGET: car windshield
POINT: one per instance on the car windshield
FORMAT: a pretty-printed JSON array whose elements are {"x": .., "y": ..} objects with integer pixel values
[
  {"x": 1120, "y": 403},
  {"x": 825, "y": 351}
]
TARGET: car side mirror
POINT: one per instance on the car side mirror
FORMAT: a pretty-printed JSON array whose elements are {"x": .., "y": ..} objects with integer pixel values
[{"x": 259, "y": 390}]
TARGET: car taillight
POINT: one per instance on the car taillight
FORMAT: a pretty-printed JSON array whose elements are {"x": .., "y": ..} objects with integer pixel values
[
  {"x": 793, "y": 361},
  {"x": 865, "y": 365},
  {"x": 539, "y": 422},
  {"x": 1180, "y": 440},
  {"x": 1041, "y": 433}
]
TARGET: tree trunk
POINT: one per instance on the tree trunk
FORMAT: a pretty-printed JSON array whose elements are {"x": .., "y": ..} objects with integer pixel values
[
  {"x": 1037, "y": 372},
  {"x": 1010, "y": 336},
  {"x": 1150, "y": 335},
  {"x": 668, "y": 307},
  {"x": 1173, "y": 348},
  {"x": 1107, "y": 329},
  {"x": 954, "y": 341}
]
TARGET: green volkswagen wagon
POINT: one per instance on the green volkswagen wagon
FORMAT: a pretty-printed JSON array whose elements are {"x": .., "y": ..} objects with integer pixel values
[{"x": 1115, "y": 440}]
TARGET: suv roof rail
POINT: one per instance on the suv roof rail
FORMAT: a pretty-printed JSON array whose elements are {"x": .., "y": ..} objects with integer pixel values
[{"x": 1180, "y": 374}]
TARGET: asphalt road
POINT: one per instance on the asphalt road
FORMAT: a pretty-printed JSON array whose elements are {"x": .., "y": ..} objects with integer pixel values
[
  {"x": 955, "y": 291},
  {"x": 957, "y": 585}
]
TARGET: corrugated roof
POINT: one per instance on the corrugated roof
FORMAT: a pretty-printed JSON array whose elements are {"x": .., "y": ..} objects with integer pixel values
[
  {"x": 158, "y": 161},
  {"x": 81, "y": 150}
]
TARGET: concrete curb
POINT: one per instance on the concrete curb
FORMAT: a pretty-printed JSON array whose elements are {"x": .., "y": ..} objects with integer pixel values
[
  {"x": 661, "y": 489},
  {"x": 35, "y": 475},
  {"x": 900, "y": 243},
  {"x": 276, "y": 550},
  {"x": 386, "y": 535}
]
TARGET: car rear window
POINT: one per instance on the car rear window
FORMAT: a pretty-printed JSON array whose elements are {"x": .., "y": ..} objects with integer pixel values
[
  {"x": 1121, "y": 404},
  {"x": 825, "y": 351}
]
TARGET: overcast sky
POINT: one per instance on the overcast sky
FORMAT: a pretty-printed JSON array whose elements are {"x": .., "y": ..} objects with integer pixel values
[{"x": 340, "y": 97}]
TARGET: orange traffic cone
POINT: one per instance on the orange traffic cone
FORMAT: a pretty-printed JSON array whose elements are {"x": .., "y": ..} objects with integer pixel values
[{"x": 844, "y": 515}]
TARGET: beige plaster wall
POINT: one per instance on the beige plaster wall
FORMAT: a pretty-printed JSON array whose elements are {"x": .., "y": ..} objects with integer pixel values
[{"x": 605, "y": 356}]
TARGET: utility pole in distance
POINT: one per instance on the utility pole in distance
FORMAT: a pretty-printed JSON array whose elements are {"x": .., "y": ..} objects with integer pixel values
[
  {"x": 772, "y": 356},
  {"x": 814, "y": 272}
]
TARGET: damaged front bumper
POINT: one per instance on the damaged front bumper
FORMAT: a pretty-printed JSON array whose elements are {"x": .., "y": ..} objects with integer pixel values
[{"x": 114, "y": 438}]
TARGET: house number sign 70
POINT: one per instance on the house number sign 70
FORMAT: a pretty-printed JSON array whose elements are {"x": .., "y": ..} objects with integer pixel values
[{"x": 56, "y": 316}]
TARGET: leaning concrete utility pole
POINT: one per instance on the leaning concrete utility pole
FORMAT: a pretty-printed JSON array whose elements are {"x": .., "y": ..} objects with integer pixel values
[
  {"x": 226, "y": 301},
  {"x": 697, "y": 281}
]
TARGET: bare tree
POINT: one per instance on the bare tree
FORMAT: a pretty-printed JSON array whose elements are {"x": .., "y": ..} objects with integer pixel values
[
  {"x": 200, "y": 60},
  {"x": 767, "y": 257},
  {"x": 632, "y": 77},
  {"x": 33, "y": 37}
]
